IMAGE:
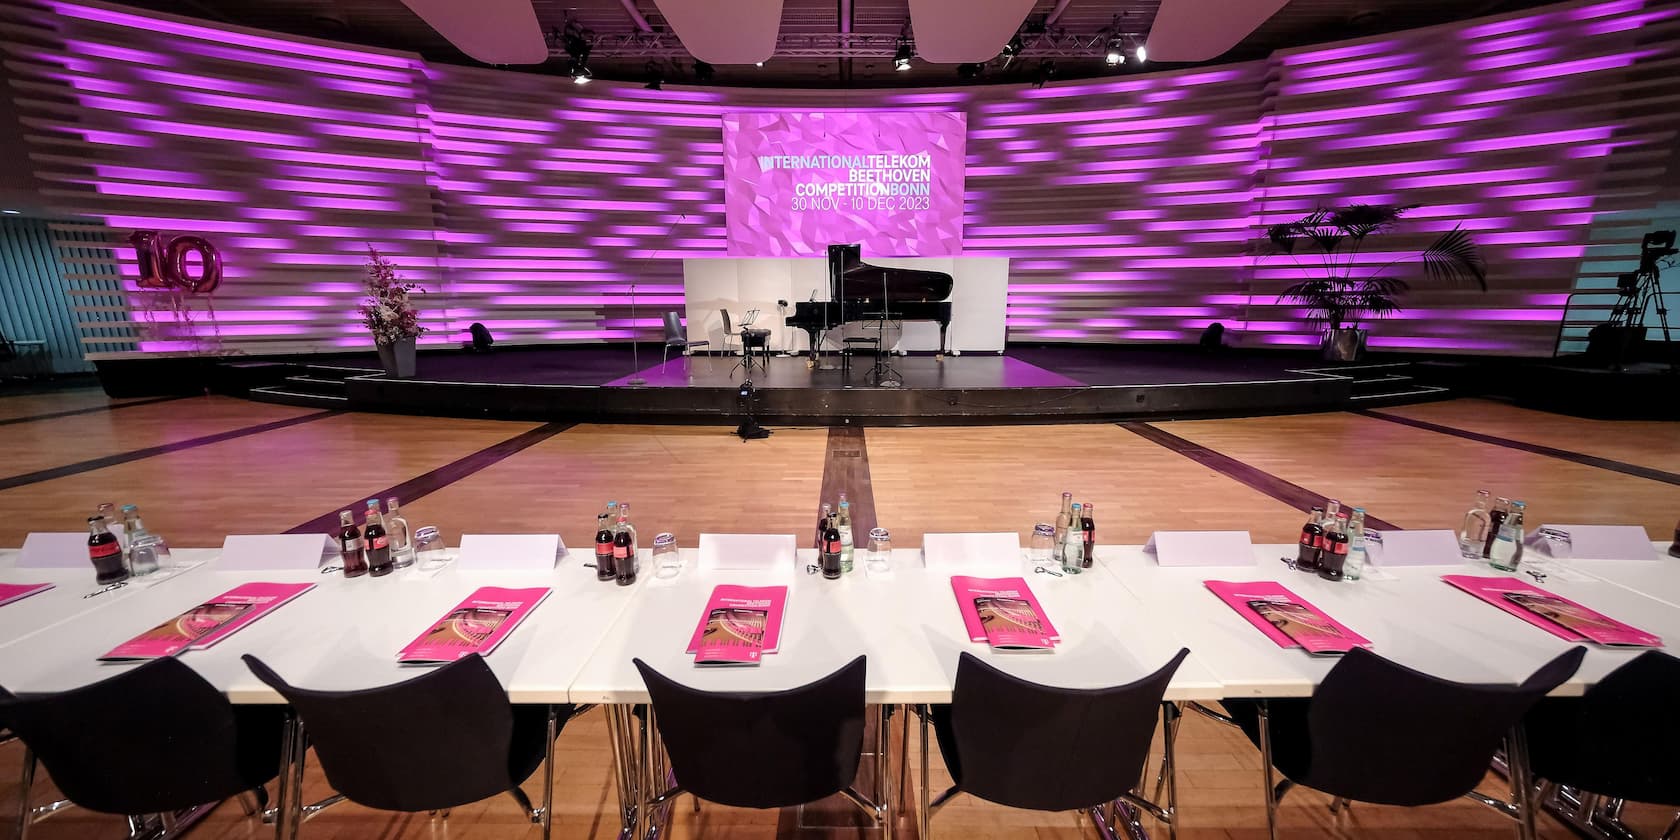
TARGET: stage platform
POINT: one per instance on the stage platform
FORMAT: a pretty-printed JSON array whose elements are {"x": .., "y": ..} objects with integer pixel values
[{"x": 1029, "y": 384}]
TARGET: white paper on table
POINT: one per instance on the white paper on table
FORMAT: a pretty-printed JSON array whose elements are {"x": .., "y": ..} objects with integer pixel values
[
  {"x": 747, "y": 551},
  {"x": 1413, "y": 548},
  {"x": 509, "y": 552},
  {"x": 959, "y": 551},
  {"x": 1604, "y": 542},
  {"x": 1201, "y": 548},
  {"x": 267, "y": 552},
  {"x": 54, "y": 550}
]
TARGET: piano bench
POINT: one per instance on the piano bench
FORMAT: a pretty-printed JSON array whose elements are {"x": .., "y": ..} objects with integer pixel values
[{"x": 849, "y": 347}]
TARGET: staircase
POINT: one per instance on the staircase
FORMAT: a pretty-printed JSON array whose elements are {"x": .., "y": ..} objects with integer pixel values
[
  {"x": 313, "y": 386},
  {"x": 1382, "y": 384}
]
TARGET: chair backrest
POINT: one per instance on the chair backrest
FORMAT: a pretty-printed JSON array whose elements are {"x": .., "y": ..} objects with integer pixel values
[
  {"x": 1386, "y": 734},
  {"x": 673, "y": 328},
  {"x": 762, "y": 750},
  {"x": 1026, "y": 745},
  {"x": 437, "y": 741},
  {"x": 152, "y": 739},
  {"x": 1619, "y": 739},
  {"x": 727, "y": 329}
]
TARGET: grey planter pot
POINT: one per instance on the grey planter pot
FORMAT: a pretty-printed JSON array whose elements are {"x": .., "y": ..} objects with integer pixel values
[
  {"x": 1344, "y": 345},
  {"x": 398, "y": 359}
]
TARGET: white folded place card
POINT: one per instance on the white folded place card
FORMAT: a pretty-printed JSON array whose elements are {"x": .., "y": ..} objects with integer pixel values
[
  {"x": 747, "y": 551},
  {"x": 1413, "y": 548},
  {"x": 54, "y": 550},
  {"x": 509, "y": 552},
  {"x": 956, "y": 551},
  {"x": 1604, "y": 542},
  {"x": 266, "y": 552},
  {"x": 1201, "y": 548}
]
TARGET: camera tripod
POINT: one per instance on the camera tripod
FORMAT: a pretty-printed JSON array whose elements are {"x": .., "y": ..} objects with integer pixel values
[{"x": 1641, "y": 290}]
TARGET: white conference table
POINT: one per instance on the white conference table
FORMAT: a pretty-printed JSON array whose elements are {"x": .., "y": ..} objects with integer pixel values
[
  {"x": 1410, "y": 615},
  {"x": 908, "y": 624},
  {"x": 342, "y": 635},
  {"x": 1659, "y": 579},
  {"x": 74, "y": 593}
]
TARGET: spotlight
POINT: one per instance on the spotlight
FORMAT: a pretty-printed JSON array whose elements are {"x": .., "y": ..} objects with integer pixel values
[
  {"x": 1014, "y": 47},
  {"x": 1045, "y": 72},
  {"x": 1114, "y": 57},
  {"x": 703, "y": 72},
  {"x": 901, "y": 59},
  {"x": 749, "y": 428},
  {"x": 10, "y": 212},
  {"x": 1142, "y": 53},
  {"x": 581, "y": 74}
]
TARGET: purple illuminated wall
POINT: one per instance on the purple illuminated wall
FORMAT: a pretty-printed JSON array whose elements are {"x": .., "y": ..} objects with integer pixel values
[{"x": 1125, "y": 205}]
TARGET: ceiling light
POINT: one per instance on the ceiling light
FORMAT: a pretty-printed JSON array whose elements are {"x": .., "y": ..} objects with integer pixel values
[
  {"x": 1014, "y": 46},
  {"x": 1114, "y": 57},
  {"x": 901, "y": 59},
  {"x": 10, "y": 212},
  {"x": 758, "y": 64},
  {"x": 581, "y": 75},
  {"x": 1142, "y": 53}
]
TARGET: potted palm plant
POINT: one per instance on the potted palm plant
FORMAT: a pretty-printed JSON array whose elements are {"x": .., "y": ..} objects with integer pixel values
[
  {"x": 1338, "y": 292},
  {"x": 388, "y": 314}
]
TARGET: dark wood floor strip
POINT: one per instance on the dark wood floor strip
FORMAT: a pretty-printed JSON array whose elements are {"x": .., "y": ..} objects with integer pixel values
[
  {"x": 1284, "y": 491},
  {"x": 430, "y": 482},
  {"x": 163, "y": 449},
  {"x": 846, "y": 470},
  {"x": 1550, "y": 452},
  {"x": 90, "y": 410}
]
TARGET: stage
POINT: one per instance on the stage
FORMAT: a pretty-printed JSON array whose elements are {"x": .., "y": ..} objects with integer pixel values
[{"x": 1027, "y": 384}]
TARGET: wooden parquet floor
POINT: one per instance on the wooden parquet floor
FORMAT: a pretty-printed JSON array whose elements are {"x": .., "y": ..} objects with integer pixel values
[{"x": 919, "y": 480}]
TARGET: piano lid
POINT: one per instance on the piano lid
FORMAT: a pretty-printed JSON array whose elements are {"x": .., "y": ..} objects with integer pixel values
[{"x": 850, "y": 278}]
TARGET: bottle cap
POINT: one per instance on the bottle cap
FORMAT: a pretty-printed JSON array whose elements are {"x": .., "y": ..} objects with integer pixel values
[
  {"x": 425, "y": 533},
  {"x": 1044, "y": 529},
  {"x": 665, "y": 540},
  {"x": 127, "y": 508},
  {"x": 879, "y": 534}
]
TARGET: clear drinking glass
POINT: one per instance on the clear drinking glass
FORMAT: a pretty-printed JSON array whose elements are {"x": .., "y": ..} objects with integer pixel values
[
  {"x": 1043, "y": 544},
  {"x": 880, "y": 551},
  {"x": 429, "y": 548},
  {"x": 667, "y": 560}
]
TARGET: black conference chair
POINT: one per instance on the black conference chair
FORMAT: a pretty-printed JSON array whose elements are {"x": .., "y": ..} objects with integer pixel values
[
  {"x": 763, "y": 750},
  {"x": 150, "y": 743},
  {"x": 443, "y": 739},
  {"x": 677, "y": 338},
  {"x": 1077, "y": 749},
  {"x": 1377, "y": 731},
  {"x": 1617, "y": 742}
]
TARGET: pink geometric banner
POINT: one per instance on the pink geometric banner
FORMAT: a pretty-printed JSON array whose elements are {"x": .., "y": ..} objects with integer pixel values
[{"x": 795, "y": 183}]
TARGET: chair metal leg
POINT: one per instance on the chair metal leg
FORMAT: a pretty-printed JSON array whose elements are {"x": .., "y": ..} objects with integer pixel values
[
  {"x": 1522, "y": 782},
  {"x": 546, "y": 818},
  {"x": 619, "y": 722},
  {"x": 927, "y": 803},
  {"x": 1266, "y": 770},
  {"x": 883, "y": 771},
  {"x": 26, "y": 780},
  {"x": 1673, "y": 829},
  {"x": 1169, "y": 764}
]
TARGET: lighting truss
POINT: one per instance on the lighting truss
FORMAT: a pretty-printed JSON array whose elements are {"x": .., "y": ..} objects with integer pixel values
[{"x": 1054, "y": 44}]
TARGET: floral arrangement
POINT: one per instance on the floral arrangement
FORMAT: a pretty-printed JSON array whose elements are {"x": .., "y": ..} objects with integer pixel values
[{"x": 387, "y": 312}]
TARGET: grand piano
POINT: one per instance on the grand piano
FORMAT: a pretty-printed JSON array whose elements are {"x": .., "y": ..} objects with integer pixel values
[{"x": 858, "y": 291}]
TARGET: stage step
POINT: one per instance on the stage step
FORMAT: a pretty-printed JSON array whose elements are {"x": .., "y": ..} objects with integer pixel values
[
  {"x": 1418, "y": 393},
  {"x": 284, "y": 396},
  {"x": 315, "y": 385}
]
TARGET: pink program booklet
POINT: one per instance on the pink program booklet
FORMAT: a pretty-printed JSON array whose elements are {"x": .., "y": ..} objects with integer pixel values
[
  {"x": 476, "y": 625},
  {"x": 1000, "y": 592},
  {"x": 1011, "y": 624},
  {"x": 209, "y": 622},
  {"x": 769, "y": 600},
  {"x": 10, "y": 592},
  {"x": 1559, "y": 616},
  {"x": 732, "y": 636},
  {"x": 1286, "y": 618}
]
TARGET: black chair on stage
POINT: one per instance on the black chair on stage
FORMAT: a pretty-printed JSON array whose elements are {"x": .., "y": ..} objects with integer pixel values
[
  {"x": 1376, "y": 731},
  {"x": 431, "y": 743},
  {"x": 155, "y": 743},
  {"x": 676, "y": 337},
  {"x": 751, "y": 338},
  {"x": 1617, "y": 742},
  {"x": 763, "y": 750},
  {"x": 1077, "y": 749}
]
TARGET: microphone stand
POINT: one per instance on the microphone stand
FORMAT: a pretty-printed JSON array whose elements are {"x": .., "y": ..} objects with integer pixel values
[{"x": 635, "y": 351}]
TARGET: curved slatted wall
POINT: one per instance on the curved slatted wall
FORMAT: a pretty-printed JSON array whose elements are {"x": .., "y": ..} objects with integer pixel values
[{"x": 1126, "y": 206}]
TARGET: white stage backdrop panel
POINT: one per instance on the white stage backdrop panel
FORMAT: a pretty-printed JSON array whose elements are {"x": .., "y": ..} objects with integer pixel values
[{"x": 978, "y": 300}]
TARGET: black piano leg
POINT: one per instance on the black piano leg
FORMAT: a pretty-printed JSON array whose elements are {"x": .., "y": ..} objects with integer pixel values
[
  {"x": 811, "y": 354},
  {"x": 940, "y": 356}
]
